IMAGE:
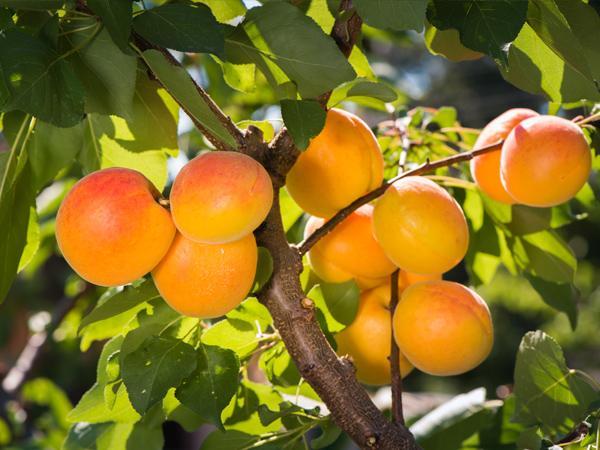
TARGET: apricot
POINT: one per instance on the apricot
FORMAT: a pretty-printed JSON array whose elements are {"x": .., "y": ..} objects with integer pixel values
[
  {"x": 220, "y": 197},
  {"x": 111, "y": 229},
  {"x": 485, "y": 169},
  {"x": 443, "y": 328},
  {"x": 342, "y": 163},
  {"x": 368, "y": 339},
  {"x": 206, "y": 280},
  {"x": 349, "y": 251},
  {"x": 406, "y": 279},
  {"x": 545, "y": 161},
  {"x": 420, "y": 226}
]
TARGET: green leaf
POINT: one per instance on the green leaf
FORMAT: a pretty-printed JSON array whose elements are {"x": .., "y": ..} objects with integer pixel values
[
  {"x": 447, "y": 43},
  {"x": 447, "y": 426},
  {"x": 93, "y": 409},
  {"x": 32, "y": 4},
  {"x": 364, "y": 91},
  {"x": 107, "y": 74},
  {"x": 116, "y": 16},
  {"x": 264, "y": 269},
  {"x": 330, "y": 432},
  {"x": 43, "y": 391},
  {"x": 337, "y": 303},
  {"x": 225, "y": 10},
  {"x": 83, "y": 436},
  {"x": 392, "y": 14},
  {"x": 218, "y": 440},
  {"x": 311, "y": 60},
  {"x": 241, "y": 336},
  {"x": 290, "y": 211},
  {"x": 209, "y": 389},
  {"x": 241, "y": 77},
  {"x": 487, "y": 26},
  {"x": 304, "y": 120},
  {"x": 156, "y": 366},
  {"x": 179, "y": 84},
  {"x": 32, "y": 243},
  {"x": 182, "y": 27},
  {"x": 35, "y": 80},
  {"x": 547, "y": 392},
  {"x": 561, "y": 296},
  {"x": 278, "y": 366}
]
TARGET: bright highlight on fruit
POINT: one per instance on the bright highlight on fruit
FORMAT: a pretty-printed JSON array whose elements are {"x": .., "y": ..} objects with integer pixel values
[
  {"x": 545, "y": 161},
  {"x": 220, "y": 197},
  {"x": 443, "y": 328},
  {"x": 368, "y": 339},
  {"x": 485, "y": 169},
  {"x": 350, "y": 251},
  {"x": 111, "y": 229},
  {"x": 342, "y": 163},
  {"x": 206, "y": 280},
  {"x": 421, "y": 228}
]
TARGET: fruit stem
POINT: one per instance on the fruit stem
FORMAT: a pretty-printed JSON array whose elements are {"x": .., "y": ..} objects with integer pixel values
[{"x": 397, "y": 411}]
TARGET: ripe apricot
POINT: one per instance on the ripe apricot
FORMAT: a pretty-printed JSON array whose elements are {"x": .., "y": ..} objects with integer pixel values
[
  {"x": 349, "y": 251},
  {"x": 342, "y": 163},
  {"x": 220, "y": 197},
  {"x": 485, "y": 169},
  {"x": 420, "y": 226},
  {"x": 443, "y": 328},
  {"x": 111, "y": 229},
  {"x": 206, "y": 280},
  {"x": 545, "y": 161},
  {"x": 406, "y": 279},
  {"x": 368, "y": 339}
]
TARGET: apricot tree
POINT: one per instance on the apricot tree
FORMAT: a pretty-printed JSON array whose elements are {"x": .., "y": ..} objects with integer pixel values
[{"x": 306, "y": 262}]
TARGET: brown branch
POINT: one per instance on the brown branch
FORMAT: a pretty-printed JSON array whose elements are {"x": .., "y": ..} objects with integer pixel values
[
  {"x": 397, "y": 413},
  {"x": 426, "y": 167}
]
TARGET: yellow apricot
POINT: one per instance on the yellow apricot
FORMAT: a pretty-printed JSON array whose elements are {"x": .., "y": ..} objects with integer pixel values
[
  {"x": 545, "y": 161},
  {"x": 485, "y": 169},
  {"x": 342, "y": 163},
  {"x": 350, "y": 251},
  {"x": 220, "y": 197},
  {"x": 368, "y": 339},
  {"x": 206, "y": 280},
  {"x": 406, "y": 279},
  {"x": 443, "y": 328},
  {"x": 111, "y": 229},
  {"x": 420, "y": 226}
]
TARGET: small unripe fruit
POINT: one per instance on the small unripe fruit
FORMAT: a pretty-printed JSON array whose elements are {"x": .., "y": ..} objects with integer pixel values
[
  {"x": 342, "y": 163},
  {"x": 545, "y": 161},
  {"x": 349, "y": 251},
  {"x": 368, "y": 339},
  {"x": 485, "y": 169},
  {"x": 206, "y": 280},
  {"x": 420, "y": 226},
  {"x": 443, "y": 328},
  {"x": 111, "y": 229},
  {"x": 220, "y": 197}
]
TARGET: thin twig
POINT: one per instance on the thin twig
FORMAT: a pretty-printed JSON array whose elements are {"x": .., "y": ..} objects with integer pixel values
[
  {"x": 397, "y": 413},
  {"x": 426, "y": 167}
]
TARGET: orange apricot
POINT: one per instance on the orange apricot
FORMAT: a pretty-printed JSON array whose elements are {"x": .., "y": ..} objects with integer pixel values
[
  {"x": 220, "y": 197},
  {"x": 545, "y": 161},
  {"x": 111, "y": 229},
  {"x": 443, "y": 328},
  {"x": 350, "y": 251},
  {"x": 406, "y": 279},
  {"x": 368, "y": 339},
  {"x": 206, "y": 280},
  {"x": 421, "y": 228},
  {"x": 485, "y": 169},
  {"x": 342, "y": 163}
]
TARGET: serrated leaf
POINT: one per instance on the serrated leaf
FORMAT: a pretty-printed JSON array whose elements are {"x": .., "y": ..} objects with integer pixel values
[
  {"x": 159, "y": 364},
  {"x": 209, "y": 389},
  {"x": 487, "y": 26},
  {"x": 234, "y": 334},
  {"x": 91, "y": 408},
  {"x": 182, "y": 27},
  {"x": 116, "y": 16},
  {"x": 447, "y": 43},
  {"x": 547, "y": 392},
  {"x": 35, "y": 80},
  {"x": 393, "y": 14},
  {"x": 304, "y": 120}
]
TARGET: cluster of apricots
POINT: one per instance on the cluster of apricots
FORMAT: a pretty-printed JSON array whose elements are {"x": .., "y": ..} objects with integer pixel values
[{"x": 113, "y": 227}]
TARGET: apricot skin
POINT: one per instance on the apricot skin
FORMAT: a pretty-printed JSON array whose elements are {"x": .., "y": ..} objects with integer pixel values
[
  {"x": 545, "y": 161},
  {"x": 485, "y": 169},
  {"x": 220, "y": 197},
  {"x": 206, "y": 280},
  {"x": 368, "y": 339},
  {"x": 420, "y": 226},
  {"x": 110, "y": 228},
  {"x": 350, "y": 251},
  {"x": 443, "y": 328},
  {"x": 342, "y": 163}
]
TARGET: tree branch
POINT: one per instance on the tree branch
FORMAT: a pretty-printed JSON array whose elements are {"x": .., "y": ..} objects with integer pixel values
[
  {"x": 424, "y": 168},
  {"x": 397, "y": 412}
]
